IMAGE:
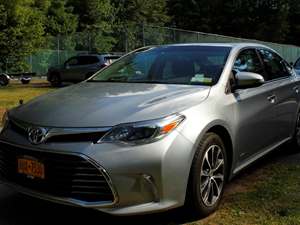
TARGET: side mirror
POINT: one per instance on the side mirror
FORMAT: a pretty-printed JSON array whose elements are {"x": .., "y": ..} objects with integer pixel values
[{"x": 245, "y": 80}]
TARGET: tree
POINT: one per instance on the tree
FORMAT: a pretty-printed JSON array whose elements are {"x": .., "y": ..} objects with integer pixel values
[
  {"x": 133, "y": 17},
  {"x": 21, "y": 31},
  {"x": 60, "y": 19},
  {"x": 142, "y": 11},
  {"x": 294, "y": 22},
  {"x": 96, "y": 19},
  {"x": 262, "y": 19}
]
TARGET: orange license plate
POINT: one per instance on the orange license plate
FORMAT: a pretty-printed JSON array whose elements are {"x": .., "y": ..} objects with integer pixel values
[{"x": 32, "y": 168}]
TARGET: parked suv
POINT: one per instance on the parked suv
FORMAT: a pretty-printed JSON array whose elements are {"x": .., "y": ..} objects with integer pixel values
[
  {"x": 297, "y": 66},
  {"x": 79, "y": 68}
]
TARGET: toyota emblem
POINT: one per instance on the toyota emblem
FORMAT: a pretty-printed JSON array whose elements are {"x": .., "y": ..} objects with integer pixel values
[{"x": 37, "y": 135}]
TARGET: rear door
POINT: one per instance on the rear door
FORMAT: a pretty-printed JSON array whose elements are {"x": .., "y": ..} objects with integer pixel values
[{"x": 285, "y": 94}]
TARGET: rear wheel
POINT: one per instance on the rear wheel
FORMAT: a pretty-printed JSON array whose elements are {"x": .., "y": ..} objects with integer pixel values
[
  {"x": 3, "y": 80},
  {"x": 55, "y": 80},
  {"x": 296, "y": 138},
  {"x": 208, "y": 175},
  {"x": 25, "y": 81}
]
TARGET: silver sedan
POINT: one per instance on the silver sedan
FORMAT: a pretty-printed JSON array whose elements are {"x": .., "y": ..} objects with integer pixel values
[{"x": 162, "y": 127}]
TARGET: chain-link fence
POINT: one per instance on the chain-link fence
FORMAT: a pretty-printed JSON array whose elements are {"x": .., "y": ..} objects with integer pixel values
[{"x": 124, "y": 39}]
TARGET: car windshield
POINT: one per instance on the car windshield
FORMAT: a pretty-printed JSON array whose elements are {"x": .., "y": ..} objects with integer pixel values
[{"x": 190, "y": 65}]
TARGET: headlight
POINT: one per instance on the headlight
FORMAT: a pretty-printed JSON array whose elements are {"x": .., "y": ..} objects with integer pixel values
[
  {"x": 4, "y": 121},
  {"x": 142, "y": 132}
]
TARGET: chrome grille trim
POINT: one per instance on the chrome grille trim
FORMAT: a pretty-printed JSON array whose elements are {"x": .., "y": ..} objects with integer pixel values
[{"x": 59, "y": 131}]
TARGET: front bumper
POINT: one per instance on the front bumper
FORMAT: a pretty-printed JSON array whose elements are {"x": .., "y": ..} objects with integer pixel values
[{"x": 143, "y": 179}]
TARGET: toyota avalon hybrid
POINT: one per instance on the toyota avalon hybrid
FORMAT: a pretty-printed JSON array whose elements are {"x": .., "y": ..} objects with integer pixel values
[{"x": 162, "y": 127}]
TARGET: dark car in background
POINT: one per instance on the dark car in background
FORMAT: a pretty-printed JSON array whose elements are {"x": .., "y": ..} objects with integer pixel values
[
  {"x": 297, "y": 66},
  {"x": 79, "y": 68}
]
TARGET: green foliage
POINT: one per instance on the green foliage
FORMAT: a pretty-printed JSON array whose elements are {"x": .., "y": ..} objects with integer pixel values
[
  {"x": 132, "y": 15},
  {"x": 276, "y": 21},
  {"x": 60, "y": 19},
  {"x": 21, "y": 30},
  {"x": 96, "y": 18},
  {"x": 142, "y": 11},
  {"x": 105, "y": 25}
]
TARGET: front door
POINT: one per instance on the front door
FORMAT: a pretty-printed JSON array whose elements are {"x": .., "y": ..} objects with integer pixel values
[{"x": 255, "y": 109}]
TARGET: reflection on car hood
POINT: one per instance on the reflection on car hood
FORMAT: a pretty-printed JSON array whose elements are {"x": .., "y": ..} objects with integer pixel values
[{"x": 108, "y": 104}]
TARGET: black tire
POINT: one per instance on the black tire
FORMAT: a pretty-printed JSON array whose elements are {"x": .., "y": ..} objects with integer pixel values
[
  {"x": 55, "y": 80},
  {"x": 4, "y": 81},
  {"x": 296, "y": 137},
  {"x": 25, "y": 81},
  {"x": 195, "y": 202}
]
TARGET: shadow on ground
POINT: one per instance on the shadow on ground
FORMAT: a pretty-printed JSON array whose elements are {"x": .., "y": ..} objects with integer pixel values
[{"x": 17, "y": 209}]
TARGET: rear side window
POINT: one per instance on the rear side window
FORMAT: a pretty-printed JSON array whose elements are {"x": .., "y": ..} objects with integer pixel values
[
  {"x": 110, "y": 59},
  {"x": 274, "y": 65},
  {"x": 248, "y": 61},
  {"x": 85, "y": 60},
  {"x": 73, "y": 61}
]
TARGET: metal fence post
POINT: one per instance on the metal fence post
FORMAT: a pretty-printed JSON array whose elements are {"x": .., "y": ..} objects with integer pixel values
[
  {"x": 125, "y": 41},
  {"x": 89, "y": 41},
  {"x": 143, "y": 30},
  {"x": 30, "y": 63},
  {"x": 174, "y": 35},
  {"x": 58, "y": 48}
]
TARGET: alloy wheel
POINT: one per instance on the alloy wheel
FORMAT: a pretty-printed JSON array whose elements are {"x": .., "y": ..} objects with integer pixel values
[
  {"x": 298, "y": 131},
  {"x": 212, "y": 175}
]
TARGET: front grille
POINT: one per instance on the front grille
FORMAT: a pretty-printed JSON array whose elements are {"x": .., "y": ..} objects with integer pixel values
[
  {"x": 62, "y": 138},
  {"x": 81, "y": 137},
  {"x": 67, "y": 176}
]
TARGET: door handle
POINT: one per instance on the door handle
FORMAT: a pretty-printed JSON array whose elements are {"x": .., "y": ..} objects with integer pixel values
[{"x": 272, "y": 98}]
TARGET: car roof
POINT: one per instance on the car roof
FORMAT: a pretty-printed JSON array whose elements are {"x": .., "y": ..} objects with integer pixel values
[
  {"x": 98, "y": 55},
  {"x": 232, "y": 45}
]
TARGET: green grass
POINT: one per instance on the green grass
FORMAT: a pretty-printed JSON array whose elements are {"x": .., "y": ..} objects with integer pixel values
[
  {"x": 267, "y": 196},
  {"x": 11, "y": 94},
  {"x": 272, "y": 199}
]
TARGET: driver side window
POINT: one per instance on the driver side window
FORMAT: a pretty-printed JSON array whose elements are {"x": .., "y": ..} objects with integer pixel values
[{"x": 248, "y": 61}]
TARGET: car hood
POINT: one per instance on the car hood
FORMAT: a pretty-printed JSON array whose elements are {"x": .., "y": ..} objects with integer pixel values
[{"x": 106, "y": 104}]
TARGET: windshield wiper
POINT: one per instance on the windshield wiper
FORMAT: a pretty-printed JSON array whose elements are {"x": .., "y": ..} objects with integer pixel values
[
  {"x": 118, "y": 78},
  {"x": 121, "y": 79},
  {"x": 148, "y": 81}
]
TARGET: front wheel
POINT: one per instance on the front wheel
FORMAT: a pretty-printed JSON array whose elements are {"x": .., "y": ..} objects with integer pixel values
[
  {"x": 3, "y": 80},
  {"x": 55, "y": 80},
  {"x": 296, "y": 137},
  {"x": 208, "y": 175}
]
